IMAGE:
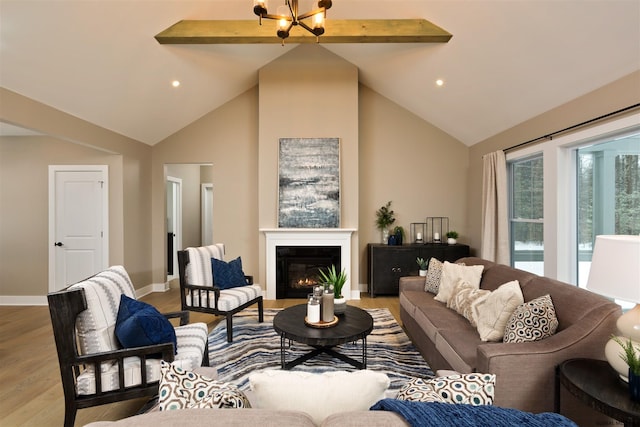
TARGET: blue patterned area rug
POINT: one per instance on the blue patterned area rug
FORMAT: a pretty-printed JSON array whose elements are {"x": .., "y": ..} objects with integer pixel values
[{"x": 256, "y": 346}]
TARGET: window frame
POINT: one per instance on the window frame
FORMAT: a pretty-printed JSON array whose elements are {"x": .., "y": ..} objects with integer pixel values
[{"x": 560, "y": 190}]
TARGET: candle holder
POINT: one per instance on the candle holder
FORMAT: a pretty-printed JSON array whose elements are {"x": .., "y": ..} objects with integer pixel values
[
  {"x": 418, "y": 230},
  {"x": 437, "y": 228}
]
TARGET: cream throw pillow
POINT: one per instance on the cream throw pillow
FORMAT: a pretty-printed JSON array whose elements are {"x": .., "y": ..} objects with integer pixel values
[
  {"x": 452, "y": 273},
  {"x": 319, "y": 395},
  {"x": 464, "y": 298},
  {"x": 493, "y": 313}
]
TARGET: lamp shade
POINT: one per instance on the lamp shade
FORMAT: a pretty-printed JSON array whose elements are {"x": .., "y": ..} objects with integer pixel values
[{"x": 615, "y": 267}]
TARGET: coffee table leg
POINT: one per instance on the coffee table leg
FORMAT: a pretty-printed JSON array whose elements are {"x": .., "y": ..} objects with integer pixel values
[
  {"x": 364, "y": 352},
  {"x": 282, "y": 345}
]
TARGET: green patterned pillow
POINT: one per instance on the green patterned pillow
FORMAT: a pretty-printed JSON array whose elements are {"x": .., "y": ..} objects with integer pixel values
[
  {"x": 472, "y": 389},
  {"x": 532, "y": 321},
  {"x": 180, "y": 389}
]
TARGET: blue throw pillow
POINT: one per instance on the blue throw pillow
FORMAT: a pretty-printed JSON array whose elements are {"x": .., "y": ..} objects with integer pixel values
[
  {"x": 140, "y": 324},
  {"x": 227, "y": 275}
]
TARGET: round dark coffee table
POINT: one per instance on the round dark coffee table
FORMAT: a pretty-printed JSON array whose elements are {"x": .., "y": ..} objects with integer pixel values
[{"x": 355, "y": 324}]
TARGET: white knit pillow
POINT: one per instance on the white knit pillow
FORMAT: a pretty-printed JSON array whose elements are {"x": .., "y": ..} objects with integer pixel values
[
  {"x": 452, "y": 273},
  {"x": 319, "y": 395},
  {"x": 493, "y": 313}
]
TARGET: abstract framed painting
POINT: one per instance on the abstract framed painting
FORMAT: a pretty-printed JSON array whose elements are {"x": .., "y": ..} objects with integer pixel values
[{"x": 309, "y": 183}]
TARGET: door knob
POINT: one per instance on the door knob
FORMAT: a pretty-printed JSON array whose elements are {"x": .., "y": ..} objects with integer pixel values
[{"x": 58, "y": 244}]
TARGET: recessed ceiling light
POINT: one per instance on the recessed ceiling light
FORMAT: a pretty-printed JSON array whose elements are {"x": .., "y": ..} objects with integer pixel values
[
  {"x": 440, "y": 82},
  {"x": 175, "y": 83}
]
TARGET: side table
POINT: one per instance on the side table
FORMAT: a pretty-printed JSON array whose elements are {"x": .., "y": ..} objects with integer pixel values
[{"x": 596, "y": 384}]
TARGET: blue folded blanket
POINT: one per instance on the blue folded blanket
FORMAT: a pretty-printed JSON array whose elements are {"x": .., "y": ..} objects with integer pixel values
[{"x": 425, "y": 414}]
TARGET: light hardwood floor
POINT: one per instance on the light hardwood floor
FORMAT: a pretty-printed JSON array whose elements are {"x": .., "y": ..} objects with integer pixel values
[{"x": 30, "y": 387}]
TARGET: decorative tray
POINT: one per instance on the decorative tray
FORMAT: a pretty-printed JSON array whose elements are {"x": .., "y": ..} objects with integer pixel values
[{"x": 322, "y": 324}]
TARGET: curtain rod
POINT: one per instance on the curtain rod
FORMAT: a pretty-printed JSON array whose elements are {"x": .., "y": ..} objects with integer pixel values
[{"x": 552, "y": 134}]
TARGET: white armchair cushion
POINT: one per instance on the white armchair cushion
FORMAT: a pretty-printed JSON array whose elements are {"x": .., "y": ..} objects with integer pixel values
[
  {"x": 192, "y": 340},
  {"x": 96, "y": 325},
  {"x": 229, "y": 298},
  {"x": 198, "y": 271}
]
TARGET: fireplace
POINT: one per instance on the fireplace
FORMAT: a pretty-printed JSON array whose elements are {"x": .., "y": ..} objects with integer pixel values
[
  {"x": 298, "y": 267},
  {"x": 316, "y": 237}
]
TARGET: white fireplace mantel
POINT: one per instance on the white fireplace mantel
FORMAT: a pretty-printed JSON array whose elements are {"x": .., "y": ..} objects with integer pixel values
[{"x": 306, "y": 237}]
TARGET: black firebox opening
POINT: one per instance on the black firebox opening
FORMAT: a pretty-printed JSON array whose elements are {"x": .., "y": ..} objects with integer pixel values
[{"x": 298, "y": 267}]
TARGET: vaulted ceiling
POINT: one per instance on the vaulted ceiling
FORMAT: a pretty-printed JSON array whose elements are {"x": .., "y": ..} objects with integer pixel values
[{"x": 507, "y": 61}]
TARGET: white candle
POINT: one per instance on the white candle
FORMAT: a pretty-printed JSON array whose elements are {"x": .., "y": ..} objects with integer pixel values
[
  {"x": 418, "y": 236},
  {"x": 313, "y": 313},
  {"x": 436, "y": 236}
]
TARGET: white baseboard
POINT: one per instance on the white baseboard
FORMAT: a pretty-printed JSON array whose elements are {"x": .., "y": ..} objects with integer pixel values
[
  {"x": 42, "y": 299},
  {"x": 154, "y": 287},
  {"x": 23, "y": 300}
]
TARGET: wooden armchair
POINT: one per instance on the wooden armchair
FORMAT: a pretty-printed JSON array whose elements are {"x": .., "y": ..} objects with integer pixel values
[
  {"x": 199, "y": 293},
  {"x": 83, "y": 317}
]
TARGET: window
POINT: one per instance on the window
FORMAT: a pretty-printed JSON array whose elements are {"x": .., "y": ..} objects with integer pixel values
[
  {"x": 526, "y": 214},
  {"x": 608, "y": 194},
  {"x": 589, "y": 185}
]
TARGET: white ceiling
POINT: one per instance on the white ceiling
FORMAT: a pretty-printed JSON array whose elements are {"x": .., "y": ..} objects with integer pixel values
[{"x": 508, "y": 60}]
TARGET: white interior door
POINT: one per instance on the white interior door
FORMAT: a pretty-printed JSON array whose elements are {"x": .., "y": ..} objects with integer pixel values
[
  {"x": 78, "y": 223},
  {"x": 174, "y": 225},
  {"x": 207, "y": 214}
]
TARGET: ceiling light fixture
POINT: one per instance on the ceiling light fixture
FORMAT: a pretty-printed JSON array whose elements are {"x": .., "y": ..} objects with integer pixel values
[{"x": 287, "y": 16}]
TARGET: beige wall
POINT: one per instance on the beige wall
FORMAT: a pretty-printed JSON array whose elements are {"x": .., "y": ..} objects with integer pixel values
[
  {"x": 615, "y": 96},
  {"x": 308, "y": 93},
  {"x": 227, "y": 139},
  {"x": 397, "y": 157},
  {"x": 24, "y": 198},
  {"x": 81, "y": 142},
  {"x": 420, "y": 168}
]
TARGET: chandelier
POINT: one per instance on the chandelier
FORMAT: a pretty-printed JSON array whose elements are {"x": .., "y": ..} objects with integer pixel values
[{"x": 287, "y": 16}]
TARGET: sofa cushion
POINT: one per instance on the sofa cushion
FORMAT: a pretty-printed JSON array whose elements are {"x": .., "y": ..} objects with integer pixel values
[
  {"x": 493, "y": 313},
  {"x": 459, "y": 349},
  {"x": 532, "y": 321},
  {"x": 180, "y": 389},
  {"x": 319, "y": 395},
  {"x": 452, "y": 273},
  {"x": 208, "y": 417},
  {"x": 434, "y": 315},
  {"x": 140, "y": 324},
  {"x": 227, "y": 275}
]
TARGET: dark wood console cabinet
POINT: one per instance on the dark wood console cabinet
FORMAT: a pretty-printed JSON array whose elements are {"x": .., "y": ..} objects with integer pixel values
[{"x": 388, "y": 263}]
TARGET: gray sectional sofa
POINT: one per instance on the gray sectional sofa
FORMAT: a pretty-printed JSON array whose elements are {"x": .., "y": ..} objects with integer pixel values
[{"x": 525, "y": 372}]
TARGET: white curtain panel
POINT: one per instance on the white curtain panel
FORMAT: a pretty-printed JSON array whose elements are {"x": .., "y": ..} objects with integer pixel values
[{"x": 495, "y": 213}]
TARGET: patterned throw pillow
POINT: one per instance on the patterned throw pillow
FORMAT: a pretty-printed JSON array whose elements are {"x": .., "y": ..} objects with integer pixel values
[
  {"x": 532, "y": 321},
  {"x": 472, "y": 389},
  {"x": 464, "y": 298},
  {"x": 419, "y": 390},
  {"x": 434, "y": 272},
  {"x": 180, "y": 389}
]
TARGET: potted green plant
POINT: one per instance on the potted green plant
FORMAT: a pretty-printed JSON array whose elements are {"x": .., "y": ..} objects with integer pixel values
[
  {"x": 422, "y": 263},
  {"x": 384, "y": 218},
  {"x": 631, "y": 356},
  {"x": 331, "y": 278},
  {"x": 451, "y": 237}
]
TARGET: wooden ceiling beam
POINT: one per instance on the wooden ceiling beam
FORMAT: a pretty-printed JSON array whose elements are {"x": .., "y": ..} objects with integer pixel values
[{"x": 336, "y": 31}]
